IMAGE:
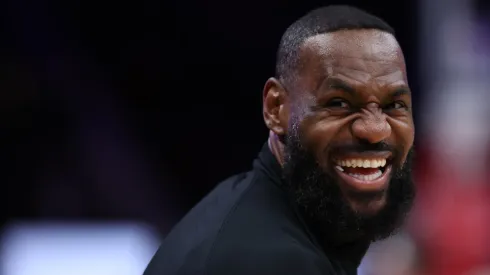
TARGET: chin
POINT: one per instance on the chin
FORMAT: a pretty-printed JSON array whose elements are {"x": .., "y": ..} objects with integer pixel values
[
  {"x": 367, "y": 208},
  {"x": 338, "y": 202}
]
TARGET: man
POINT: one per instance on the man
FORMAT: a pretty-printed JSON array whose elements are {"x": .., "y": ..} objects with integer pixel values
[{"x": 335, "y": 173}]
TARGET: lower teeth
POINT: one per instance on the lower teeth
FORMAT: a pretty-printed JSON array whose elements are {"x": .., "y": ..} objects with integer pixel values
[{"x": 367, "y": 177}]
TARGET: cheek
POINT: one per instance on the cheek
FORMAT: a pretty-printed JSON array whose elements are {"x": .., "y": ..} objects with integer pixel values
[
  {"x": 319, "y": 134},
  {"x": 404, "y": 134}
]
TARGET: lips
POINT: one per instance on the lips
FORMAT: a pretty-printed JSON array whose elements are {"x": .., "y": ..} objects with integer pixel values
[{"x": 364, "y": 172}]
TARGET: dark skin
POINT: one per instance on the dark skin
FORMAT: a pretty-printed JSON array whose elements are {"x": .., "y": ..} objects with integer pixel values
[{"x": 351, "y": 88}]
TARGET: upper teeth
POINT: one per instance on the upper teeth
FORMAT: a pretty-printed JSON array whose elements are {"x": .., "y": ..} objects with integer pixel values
[{"x": 365, "y": 163}]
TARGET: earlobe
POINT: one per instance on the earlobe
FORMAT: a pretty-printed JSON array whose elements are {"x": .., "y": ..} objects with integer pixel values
[{"x": 274, "y": 99}]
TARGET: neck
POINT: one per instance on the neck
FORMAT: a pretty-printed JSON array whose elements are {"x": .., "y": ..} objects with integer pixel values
[{"x": 276, "y": 147}]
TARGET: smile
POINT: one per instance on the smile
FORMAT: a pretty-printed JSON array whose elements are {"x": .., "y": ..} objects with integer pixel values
[{"x": 364, "y": 173}]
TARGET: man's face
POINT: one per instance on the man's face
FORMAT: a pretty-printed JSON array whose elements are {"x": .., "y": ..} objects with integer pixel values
[{"x": 350, "y": 132}]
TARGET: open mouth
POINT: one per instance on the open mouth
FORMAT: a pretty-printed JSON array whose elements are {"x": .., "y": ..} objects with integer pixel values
[{"x": 364, "y": 172}]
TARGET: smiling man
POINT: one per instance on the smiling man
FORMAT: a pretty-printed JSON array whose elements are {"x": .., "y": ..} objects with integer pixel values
[{"x": 335, "y": 173}]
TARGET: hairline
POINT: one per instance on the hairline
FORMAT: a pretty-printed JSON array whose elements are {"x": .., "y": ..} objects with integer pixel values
[{"x": 301, "y": 47}]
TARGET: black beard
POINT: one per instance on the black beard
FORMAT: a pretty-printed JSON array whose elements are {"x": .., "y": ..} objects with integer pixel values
[{"x": 321, "y": 199}]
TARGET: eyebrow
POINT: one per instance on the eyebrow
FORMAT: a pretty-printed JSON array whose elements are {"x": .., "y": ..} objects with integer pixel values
[
  {"x": 399, "y": 91},
  {"x": 333, "y": 83}
]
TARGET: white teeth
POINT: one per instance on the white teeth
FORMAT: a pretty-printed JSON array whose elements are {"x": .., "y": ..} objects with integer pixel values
[
  {"x": 367, "y": 177},
  {"x": 365, "y": 163},
  {"x": 339, "y": 168}
]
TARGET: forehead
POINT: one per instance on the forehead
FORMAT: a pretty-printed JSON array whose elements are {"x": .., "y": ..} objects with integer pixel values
[{"x": 360, "y": 54}]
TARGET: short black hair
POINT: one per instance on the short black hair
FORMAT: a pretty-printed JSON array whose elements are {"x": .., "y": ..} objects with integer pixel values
[{"x": 322, "y": 20}]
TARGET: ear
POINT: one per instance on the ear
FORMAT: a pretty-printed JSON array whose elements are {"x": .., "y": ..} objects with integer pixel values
[{"x": 275, "y": 106}]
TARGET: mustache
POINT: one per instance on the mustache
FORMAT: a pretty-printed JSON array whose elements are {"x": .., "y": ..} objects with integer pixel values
[{"x": 363, "y": 147}]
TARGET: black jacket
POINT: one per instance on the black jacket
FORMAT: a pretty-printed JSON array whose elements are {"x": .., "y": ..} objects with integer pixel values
[{"x": 248, "y": 226}]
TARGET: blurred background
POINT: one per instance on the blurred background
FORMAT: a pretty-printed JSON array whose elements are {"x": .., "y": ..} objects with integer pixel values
[{"x": 117, "y": 117}]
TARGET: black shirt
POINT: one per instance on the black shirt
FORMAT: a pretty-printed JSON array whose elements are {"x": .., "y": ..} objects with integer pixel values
[{"x": 248, "y": 226}]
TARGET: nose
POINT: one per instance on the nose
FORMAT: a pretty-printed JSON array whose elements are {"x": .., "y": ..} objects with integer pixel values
[{"x": 371, "y": 126}]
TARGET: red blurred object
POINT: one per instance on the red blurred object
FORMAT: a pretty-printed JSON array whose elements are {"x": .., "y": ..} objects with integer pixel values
[{"x": 450, "y": 219}]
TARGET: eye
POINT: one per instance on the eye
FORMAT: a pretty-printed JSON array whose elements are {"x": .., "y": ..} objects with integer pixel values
[
  {"x": 337, "y": 103},
  {"x": 396, "y": 105}
]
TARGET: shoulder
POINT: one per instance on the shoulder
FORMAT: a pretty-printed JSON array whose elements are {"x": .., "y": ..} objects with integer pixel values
[{"x": 265, "y": 259}]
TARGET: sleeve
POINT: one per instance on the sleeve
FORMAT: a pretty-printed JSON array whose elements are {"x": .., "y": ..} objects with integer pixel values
[{"x": 270, "y": 263}]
